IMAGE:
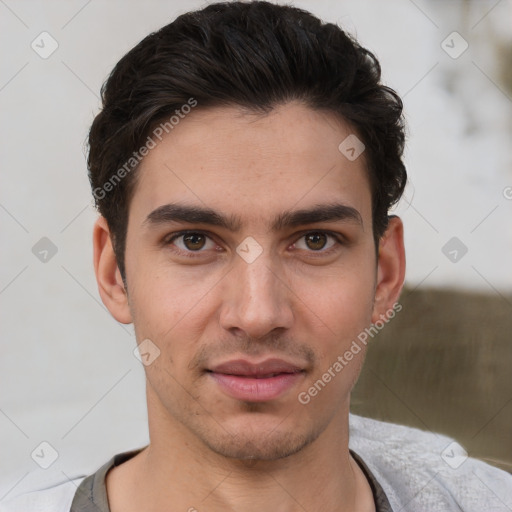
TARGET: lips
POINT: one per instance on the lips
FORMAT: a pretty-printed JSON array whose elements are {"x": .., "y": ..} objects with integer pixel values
[
  {"x": 267, "y": 368},
  {"x": 256, "y": 382}
]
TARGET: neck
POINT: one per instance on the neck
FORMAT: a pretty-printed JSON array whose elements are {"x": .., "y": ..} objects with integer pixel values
[{"x": 177, "y": 468}]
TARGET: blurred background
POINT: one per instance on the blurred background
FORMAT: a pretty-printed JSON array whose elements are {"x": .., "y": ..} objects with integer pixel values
[{"x": 68, "y": 376}]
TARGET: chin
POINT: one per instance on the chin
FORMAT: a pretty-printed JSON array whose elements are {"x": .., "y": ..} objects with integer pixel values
[
  {"x": 258, "y": 438},
  {"x": 264, "y": 447}
]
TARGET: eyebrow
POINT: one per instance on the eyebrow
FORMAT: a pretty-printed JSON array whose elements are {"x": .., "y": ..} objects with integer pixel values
[{"x": 175, "y": 212}]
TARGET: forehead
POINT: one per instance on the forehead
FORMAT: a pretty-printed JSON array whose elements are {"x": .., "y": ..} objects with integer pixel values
[{"x": 253, "y": 166}]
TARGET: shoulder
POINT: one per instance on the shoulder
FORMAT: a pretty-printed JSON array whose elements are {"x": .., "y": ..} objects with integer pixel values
[
  {"x": 57, "y": 498},
  {"x": 60, "y": 496},
  {"x": 424, "y": 471}
]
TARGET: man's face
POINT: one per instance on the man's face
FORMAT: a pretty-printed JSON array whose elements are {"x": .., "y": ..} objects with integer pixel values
[{"x": 265, "y": 284}]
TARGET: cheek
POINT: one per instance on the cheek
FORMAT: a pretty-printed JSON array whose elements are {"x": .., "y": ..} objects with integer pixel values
[
  {"x": 175, "y": 325},
  {"x": 165, "y": 299},
  {"x": 173, "y": 310},
  {"x": 341, "y": 298},
  {"x": 344, "y": 309},
  {"x": 335, "y": 315}
]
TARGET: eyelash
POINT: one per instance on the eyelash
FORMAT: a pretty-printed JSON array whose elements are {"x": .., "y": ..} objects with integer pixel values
[{"x": 195, "y": 254}]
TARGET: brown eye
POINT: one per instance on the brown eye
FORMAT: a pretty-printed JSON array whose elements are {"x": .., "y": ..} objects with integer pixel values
[
  {"x": 191, "y": 242},
  {"x": 194, "y": 241},
  {"x": 316, "y": 241}
]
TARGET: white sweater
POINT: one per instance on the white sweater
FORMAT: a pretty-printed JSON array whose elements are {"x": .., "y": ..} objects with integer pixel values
[{"x": 419, "y": 472}]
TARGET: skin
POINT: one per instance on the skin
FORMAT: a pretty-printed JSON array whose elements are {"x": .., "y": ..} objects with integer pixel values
[{"x": 299, "y": 300}]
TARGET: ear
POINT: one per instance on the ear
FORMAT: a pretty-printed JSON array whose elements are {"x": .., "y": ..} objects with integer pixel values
[
  {"x": 390, "y": 268},
  {"x": 108, "y": 277}
]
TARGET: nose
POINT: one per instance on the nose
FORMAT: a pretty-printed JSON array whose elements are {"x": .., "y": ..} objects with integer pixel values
[{"x": 256, "y": 299}]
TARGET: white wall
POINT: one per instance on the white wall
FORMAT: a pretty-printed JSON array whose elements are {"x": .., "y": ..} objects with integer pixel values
[{"x": 67, "y": 372}]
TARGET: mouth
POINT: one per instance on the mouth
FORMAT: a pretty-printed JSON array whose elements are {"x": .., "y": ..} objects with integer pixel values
[{"x": 256, "y": 382}]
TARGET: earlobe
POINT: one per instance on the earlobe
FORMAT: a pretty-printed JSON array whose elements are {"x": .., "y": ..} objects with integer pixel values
[
  {"x": 390, "y": 268},
  {"x": 110, "y": 284}
]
